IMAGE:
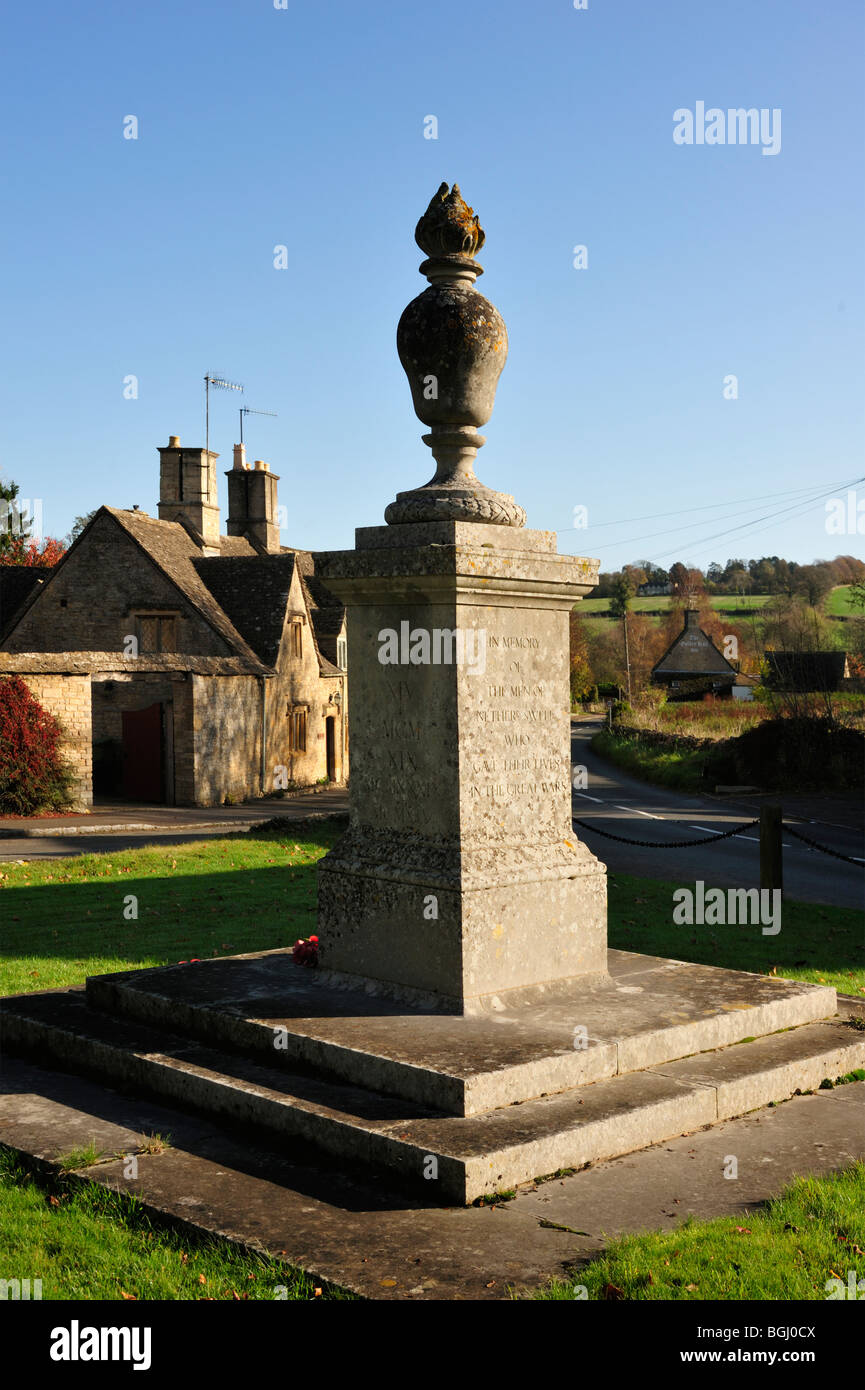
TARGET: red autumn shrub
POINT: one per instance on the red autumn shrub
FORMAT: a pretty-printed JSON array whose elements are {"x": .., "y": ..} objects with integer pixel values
[{"x": 33, "y": 775}]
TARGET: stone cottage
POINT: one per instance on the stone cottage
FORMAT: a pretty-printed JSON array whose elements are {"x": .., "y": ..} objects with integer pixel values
[
  {"x": 187, "y": 667},
  {"x": 692, "y": 665}
]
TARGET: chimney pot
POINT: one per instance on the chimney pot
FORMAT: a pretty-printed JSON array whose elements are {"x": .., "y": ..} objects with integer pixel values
[
  {"x": 174, "y": 441},
  {"x": 261, "y": 465},
  {"x": 240, "y": 456}
]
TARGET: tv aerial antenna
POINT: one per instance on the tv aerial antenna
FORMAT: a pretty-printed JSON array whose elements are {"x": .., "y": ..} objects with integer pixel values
[
  {"x": 247, "y": 410},
  {"x": 214, "y": 379}
]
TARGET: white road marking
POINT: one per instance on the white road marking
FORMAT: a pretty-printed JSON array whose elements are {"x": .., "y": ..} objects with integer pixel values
[
  {"x": 755, "y": 839},
  {"x": 590, "y": 798}
]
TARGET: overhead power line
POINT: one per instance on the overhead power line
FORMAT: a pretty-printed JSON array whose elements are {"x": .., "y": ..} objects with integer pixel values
[
  {"x": 817, "y": 494},
  {"x": 685, "y": 511},
  {"x": 770, "y": 517}
]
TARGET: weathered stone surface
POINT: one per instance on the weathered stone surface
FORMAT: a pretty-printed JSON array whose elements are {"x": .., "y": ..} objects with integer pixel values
[
  {"x": 453, "y": 344},
  {"x": 646, "y": 1011},
  {"x": 460, "y": 876},
  {"x": 473, "y": 1155}
]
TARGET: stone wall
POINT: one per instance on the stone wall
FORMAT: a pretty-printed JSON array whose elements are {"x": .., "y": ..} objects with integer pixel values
[
  {"x": 68, "y": 699},
  {"x": 226, "y": 738}
]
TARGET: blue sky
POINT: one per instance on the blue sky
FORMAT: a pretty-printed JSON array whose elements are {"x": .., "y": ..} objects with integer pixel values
[{"x": 304, "y": 126}]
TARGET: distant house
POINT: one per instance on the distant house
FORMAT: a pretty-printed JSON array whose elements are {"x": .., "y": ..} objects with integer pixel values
[
  {"x": 651, "y": 590},
  {"x": 692, "y": 665},
  {"x": 185, "y": 666},
  {"x": 806, "y": 671}
]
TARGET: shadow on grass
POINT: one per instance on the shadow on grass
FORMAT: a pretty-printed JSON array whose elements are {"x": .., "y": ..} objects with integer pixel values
[{"x": 66, "y": 919}]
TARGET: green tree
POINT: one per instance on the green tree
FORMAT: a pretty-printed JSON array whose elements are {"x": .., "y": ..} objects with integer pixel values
[{"x": 621, "y": 593}]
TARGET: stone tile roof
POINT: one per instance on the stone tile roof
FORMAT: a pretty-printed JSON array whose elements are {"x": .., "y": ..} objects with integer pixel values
[
  {"x": 253, "y": 590},
  {"x": 17, "y": 582},
  {"x": 236, "y": 545}
]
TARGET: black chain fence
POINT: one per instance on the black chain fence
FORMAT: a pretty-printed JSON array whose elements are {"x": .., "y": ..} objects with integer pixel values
[
  {"x": 670, "y": 844},
  {"x": 714, "y": 838},
  {"x": 836, "y": 854}
]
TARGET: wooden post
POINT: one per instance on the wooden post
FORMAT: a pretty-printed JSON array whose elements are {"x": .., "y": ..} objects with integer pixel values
[
  {"x": 771, "y": 853},
  {"x": 627, "y": 654}
]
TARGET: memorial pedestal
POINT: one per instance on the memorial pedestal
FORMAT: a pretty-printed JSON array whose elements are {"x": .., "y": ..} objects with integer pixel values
[{"x": 460, "y": 878}]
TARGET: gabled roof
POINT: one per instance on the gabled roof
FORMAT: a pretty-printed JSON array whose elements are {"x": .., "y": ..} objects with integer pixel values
[
  {"x": 326, "y": 614},
  {"x": 242, "y": 594},
  {"x": 253, "y": 591},
  {"x": 693, "y": 653},
  {"x": 174, "y": 551}
]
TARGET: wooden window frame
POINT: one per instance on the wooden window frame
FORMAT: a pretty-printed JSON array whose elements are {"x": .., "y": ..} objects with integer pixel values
[
  {"x": 298, "y": 728},
  {"x": 165, "y": 620}
]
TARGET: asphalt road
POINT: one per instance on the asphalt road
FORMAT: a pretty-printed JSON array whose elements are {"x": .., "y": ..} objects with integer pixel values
[{"x": 613, "y": 801}]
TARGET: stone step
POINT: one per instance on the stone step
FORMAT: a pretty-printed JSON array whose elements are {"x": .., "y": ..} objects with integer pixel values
[
  {"x": 647, "y": 1011},
  {"x": 454, "y": 1159}
]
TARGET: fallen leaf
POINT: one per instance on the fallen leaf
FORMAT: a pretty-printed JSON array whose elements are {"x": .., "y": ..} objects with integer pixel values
[
  {"x": 130, "y": 1297},
  {"x": 613, "y": 1292},
  {"x": 201, "y": 1279},
  {"x": 743, "y": 1230}
]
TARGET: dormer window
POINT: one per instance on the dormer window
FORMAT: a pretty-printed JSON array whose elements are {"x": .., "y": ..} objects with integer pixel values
[
  {"x": 297, "y": 637},
  {"x": 342, "y": 653}
]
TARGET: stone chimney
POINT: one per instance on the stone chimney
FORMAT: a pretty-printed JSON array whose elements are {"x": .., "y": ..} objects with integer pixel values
[
  {"x": 252, "y": 508},
  {"x": 187, "y": 489}
]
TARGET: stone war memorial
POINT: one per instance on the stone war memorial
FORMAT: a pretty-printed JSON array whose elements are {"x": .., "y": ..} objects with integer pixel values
[{"x": 466, "y": 1029}]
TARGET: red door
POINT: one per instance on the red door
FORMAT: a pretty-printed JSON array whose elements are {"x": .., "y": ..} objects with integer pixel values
[{"x": 143, "y": 754}]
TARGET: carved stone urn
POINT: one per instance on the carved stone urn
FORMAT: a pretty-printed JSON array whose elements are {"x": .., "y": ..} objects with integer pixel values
[{"x": 453, "y": 345}]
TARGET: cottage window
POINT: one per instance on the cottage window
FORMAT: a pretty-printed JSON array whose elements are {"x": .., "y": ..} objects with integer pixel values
[
  {"x": 296, "y": 637},
  {"x": 157, "y": 632},
  {"x": 296, "y": 730},
  {"x": 342, "y": 653}
]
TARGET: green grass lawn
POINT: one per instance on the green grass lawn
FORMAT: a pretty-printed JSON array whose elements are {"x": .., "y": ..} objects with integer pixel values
[
  {"x": 63, "y": 919},
  {"x": 823, "y": 945},
  {"x": 744, "y": 603},
  {"x": 812, "y": 1233},
  {"x": 838, "y": 602},
  {"x": 86, "y": 1242}
]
